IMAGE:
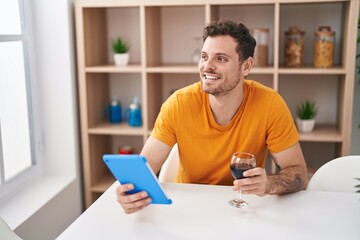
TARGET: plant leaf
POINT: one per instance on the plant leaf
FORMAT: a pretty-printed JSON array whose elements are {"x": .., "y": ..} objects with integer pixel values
[
  {"x": 119, "y": 46},
  {"x": 306, "y": 110}
]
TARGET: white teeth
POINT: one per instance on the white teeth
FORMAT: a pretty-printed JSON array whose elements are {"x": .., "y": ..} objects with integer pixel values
[{"x": 211, "y": 77}]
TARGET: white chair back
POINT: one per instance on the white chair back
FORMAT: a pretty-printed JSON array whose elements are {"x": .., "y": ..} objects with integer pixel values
[
  {"x": 337, "y": 175},
  {"x": 169, "y": 168}
]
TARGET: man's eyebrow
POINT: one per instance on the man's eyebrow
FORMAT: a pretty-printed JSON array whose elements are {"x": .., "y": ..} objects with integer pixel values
[
  {"x": 218, "y": 54},
  {"x": 222, "y": 54}
]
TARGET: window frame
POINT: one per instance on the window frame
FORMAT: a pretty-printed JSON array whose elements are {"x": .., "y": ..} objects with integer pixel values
[{"x": 35, "y": 171}]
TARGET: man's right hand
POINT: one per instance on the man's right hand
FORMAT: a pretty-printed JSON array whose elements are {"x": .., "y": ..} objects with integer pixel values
[{"x": 131, "y": 203}]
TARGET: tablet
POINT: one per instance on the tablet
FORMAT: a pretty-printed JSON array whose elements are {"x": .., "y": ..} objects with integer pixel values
[{"x": 133, "y": 168}]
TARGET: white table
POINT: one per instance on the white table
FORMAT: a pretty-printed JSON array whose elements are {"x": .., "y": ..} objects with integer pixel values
[{"x": 202, "y": 212}]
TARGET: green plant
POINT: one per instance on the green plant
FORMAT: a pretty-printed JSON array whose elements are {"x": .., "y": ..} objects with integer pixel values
[
  {"x": 306, "y": 110},
  {"x": 120, "y": 46},
  {"x": 358, "y": 186}
]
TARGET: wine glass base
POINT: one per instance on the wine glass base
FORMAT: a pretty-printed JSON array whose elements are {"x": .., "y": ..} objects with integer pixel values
[{"x": 238, "y": 203}]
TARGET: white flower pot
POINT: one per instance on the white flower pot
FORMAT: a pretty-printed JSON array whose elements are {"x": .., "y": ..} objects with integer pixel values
[
  {"x": 305, "y": 125},
  {"x": 121, "y": 59}
]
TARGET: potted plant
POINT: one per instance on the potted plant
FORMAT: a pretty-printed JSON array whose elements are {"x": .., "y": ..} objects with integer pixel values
[
  {"x": 357, "y": 186},
  {"x": 306, "y": 113},
  {"x": 120, "y": 49}
]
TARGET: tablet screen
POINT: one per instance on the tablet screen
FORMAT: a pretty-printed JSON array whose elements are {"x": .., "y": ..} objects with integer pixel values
[{"x": 133, "y": 168}]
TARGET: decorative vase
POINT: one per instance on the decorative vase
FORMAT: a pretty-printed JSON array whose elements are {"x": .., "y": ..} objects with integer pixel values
[
  {"x": 305, "y": 125},
  {"x": 121, "y": 59}
]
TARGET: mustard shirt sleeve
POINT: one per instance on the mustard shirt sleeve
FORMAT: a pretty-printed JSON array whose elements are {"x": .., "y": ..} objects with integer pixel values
[
  {"x": 282, "y": 132},
  {"x": 164, "y": 128}
]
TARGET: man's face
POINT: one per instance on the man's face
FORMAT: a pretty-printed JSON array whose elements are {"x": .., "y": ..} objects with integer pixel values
[{"x": 219, "y": 67}]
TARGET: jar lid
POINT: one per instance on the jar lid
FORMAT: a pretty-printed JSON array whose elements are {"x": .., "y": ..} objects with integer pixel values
[
  {"x": 259, "y": 30},
  {"x": 134, "y": 106},
  {"x": 114, "y": 102},
  {"x": 325, "y": 30},
  {"x": 294, "y": 30}
]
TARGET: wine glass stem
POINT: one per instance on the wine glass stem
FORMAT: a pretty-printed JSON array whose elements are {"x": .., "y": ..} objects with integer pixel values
[{"x": 239, "y": 197}]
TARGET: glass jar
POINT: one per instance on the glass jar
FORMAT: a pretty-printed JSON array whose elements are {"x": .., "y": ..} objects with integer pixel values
[
  {"x": 324, "y": 47},
  {"x": 261, "y": 54},
  {"x": 294, "y": 47},
  {"x": 197, "y": 52}
]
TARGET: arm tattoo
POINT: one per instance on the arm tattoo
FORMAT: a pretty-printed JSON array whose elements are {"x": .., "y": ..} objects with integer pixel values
[{"x": 288, "y": 180}]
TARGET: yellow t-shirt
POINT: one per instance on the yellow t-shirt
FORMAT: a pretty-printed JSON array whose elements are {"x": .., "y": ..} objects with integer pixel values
[{"x": 262, "y": 123}]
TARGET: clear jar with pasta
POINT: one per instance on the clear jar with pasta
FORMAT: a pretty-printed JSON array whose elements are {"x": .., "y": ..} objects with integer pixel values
[
  {"x": 261, "y": 54},
  {"x": 324, "y": 47},
  {"x": 294, "y": 47}
]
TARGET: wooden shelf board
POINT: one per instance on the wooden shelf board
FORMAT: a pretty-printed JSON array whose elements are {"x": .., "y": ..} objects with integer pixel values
[
  {"x": 312, "y": 70},
  {"x": 188, "y": 68},
  {"x": 172, "y": 68},
  {"x": 116, "y": 129},
  {"x": 322, "y": 134},
  {"x": 103, "y": 184},
  {"x": 194, "y": 69},
  {"x": 162, "y": 3},
  {"x": 263, "y": 70},
  {"x": 103, "y": 4},
  {"x": 132, "y": 68}
]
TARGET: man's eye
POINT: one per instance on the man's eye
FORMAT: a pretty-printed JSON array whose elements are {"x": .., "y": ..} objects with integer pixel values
[
  {"x": 221, "y": 59},
  {"x": 203, "y": 57}
]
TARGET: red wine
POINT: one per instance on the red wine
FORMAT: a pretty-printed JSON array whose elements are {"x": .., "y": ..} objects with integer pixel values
[{"x": 238, "y": 169}]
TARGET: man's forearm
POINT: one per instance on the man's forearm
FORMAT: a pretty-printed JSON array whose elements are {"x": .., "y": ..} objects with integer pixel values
[{"x": 288, "y": 180}]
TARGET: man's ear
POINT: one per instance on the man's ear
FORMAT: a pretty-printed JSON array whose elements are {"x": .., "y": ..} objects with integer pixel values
[{"x": 248, "y": 65}]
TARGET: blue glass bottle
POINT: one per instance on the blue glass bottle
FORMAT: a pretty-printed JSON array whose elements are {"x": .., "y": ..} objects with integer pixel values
[
  {"x": 115, "y": 111},
  {"x": 135, "y": 118}
]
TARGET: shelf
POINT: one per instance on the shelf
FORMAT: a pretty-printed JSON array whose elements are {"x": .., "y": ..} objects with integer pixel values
[
  {"x": 114, "y": 69},
  {"x": 194, "y": 69},
  {"x": 256, "y": 70},
  {"x": 116, "y": 129},
  {"x": 313, "y": 71},
  {"x": 322, "y": 134},
  {"x": 103, "y": 184},
  {"x": 173, "y": 69},
  {"x": 263, "y": 70}
]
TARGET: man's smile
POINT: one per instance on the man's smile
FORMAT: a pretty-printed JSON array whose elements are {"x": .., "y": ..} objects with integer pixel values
[{"x": 210, "y": 76}]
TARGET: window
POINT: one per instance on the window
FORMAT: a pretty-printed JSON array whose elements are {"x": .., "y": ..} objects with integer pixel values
[{"x": 18, "y": 161}]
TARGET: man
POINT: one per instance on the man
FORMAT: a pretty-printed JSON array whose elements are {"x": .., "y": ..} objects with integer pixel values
[{"x": 220, "y": 115}]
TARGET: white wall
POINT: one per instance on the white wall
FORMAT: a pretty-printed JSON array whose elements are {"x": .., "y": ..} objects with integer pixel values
[
  {"x": 355, "y": 143},
  {"x": 53, "y": 23}
]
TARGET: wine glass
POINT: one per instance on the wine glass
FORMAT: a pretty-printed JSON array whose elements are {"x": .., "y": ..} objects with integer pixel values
[
  {"x": 197, "y": 52},
  {"x": 240, "y": 162}
]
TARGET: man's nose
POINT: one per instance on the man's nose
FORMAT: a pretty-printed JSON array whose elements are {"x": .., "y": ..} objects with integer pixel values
[{"x": 209, "y": 65}]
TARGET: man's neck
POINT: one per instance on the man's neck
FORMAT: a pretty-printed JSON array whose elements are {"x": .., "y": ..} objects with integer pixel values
[{"x": 225, "y": 107}]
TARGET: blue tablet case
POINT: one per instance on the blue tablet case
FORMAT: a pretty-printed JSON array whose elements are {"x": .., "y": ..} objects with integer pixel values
[{"x": 133, "y": 168}]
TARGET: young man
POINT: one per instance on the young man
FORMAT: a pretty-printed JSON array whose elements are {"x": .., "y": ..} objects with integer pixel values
[{"x": 220, "y": 115}]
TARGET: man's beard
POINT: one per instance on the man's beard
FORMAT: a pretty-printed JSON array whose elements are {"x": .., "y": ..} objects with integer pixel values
[{"x": 222, "y": 89}]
